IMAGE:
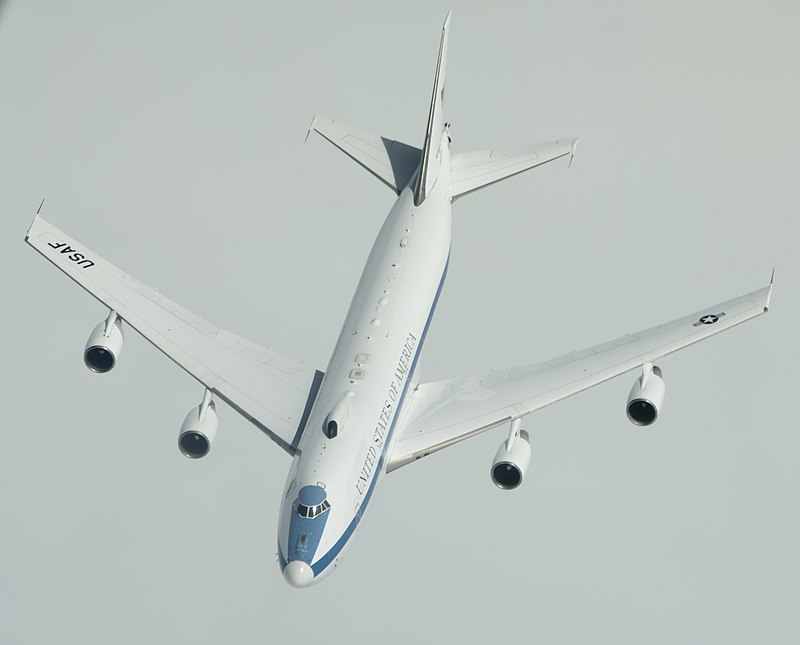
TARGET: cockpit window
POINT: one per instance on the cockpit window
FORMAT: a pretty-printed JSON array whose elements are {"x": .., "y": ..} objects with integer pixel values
[{"x": 311, "y": 512}]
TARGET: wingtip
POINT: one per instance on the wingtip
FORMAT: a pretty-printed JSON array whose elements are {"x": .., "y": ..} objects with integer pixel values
[
  {"x": 36, "y": 218},
  {"x": 311, "y": 127},
  {"x": 447, "y": 19},
  {"x": 572, "y": 154},
  {"x": 769, "y": 293}
]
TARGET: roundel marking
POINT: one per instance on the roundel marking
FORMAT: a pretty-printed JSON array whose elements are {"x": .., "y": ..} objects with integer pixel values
[{"x": 709, "y": 319}]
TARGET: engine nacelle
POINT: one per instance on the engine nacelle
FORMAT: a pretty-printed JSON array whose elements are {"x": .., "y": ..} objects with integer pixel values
[
  {"x": 646, "y": 397},
  {"x": 198, "y": 431},
  {"x": 509, "y": 466},
  {"x": 104, "y": 346}
]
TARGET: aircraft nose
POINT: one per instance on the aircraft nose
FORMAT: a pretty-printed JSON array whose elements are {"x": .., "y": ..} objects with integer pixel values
[{"x": 298, "y": 574}]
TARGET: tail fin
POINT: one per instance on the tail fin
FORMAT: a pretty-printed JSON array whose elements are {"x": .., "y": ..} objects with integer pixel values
[{"x": 429, "y": 168}]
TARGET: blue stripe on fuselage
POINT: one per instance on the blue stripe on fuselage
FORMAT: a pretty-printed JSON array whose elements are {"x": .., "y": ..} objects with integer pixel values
[{"x": 320, "y": 565}]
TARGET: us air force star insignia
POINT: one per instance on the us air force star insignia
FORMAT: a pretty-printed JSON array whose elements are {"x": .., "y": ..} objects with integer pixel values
[{"x": 709, "y": 319}]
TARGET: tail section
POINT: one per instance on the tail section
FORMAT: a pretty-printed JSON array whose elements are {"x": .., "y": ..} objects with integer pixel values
[
  {"x": 393, "y": 162},
  {"x": 429, "y": 166}
]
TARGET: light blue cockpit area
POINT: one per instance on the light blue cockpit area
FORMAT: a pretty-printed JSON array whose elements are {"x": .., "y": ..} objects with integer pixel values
[{"x": 310, "y": 513}]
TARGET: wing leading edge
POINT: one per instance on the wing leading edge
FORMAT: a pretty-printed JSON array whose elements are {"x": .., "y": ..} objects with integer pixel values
[
  {"x": 272, "y": 391},
  {"x": 443, "y": 413}
]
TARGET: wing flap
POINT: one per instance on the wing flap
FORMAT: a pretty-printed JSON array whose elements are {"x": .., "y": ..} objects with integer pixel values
[
  {"x": 445, "y": 412},
  {"x": 269, "y": 389},
  {"x": 471, "y": 171}
]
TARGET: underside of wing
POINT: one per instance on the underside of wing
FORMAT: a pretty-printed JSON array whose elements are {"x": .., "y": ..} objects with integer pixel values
[
  {"x": 393, "y": 162},
  {"x": 272, "y": 391},
  {"x": 445, "y": 412},
  {"x": 471, "y": 171}
]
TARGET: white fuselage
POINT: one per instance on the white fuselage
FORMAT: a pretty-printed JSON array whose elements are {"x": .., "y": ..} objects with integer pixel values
[{"x": 372, "y": 367}]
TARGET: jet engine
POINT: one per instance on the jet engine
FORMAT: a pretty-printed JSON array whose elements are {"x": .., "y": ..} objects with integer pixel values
[
  {"x": 511, "y": 462},
  {"x": 199, "y": 429},
  {"x": 646, "y": 397},
  {"x": 104, "y": 345}
]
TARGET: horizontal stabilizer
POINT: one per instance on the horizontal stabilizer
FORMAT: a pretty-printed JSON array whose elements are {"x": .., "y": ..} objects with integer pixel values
[
  {"x": 472, "y": 171},
  {"x": 390, "y": 161}
]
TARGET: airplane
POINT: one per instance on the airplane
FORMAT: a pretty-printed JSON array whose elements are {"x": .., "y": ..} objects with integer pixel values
[{"x": 368, "y": 414}]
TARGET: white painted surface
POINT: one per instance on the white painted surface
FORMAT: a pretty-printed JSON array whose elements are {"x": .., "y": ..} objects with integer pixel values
[{"x": 177, "y": 119}]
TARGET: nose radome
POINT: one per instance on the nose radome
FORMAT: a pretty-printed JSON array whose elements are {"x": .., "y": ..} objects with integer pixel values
[{"x": 298, "y": 574}]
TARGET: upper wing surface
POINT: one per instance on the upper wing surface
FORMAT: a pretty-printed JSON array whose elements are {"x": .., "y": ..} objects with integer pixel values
[
  {"x": 393, "y": 162},
  {"x": 445, "y": 412},
  {"x": 272, "y": 391},
  {"x": 471, "y": 171}
]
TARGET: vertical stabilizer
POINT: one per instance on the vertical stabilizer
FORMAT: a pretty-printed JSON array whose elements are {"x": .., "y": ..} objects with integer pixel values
[{"x": 429, "y": 168}]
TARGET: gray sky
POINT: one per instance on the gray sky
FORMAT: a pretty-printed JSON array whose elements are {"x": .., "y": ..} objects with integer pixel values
[{"x": 168, "y": 137}]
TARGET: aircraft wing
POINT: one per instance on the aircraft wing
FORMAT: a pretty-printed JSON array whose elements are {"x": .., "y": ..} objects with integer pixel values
[
  {"x": 272, "y": 391},
  {"x": 471, "y": 171},
  {"x": 443, "y": 413}
]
